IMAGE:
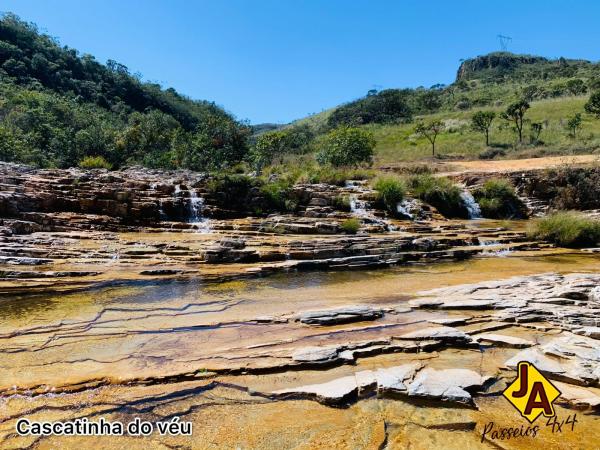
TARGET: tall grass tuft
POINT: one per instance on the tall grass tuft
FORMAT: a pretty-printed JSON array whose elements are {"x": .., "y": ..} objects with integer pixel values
[
  {"x": 567, "y": 229},
  {"x": 390, "y": 191}
]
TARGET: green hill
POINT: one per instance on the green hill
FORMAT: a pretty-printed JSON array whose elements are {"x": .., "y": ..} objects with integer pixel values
[
  {"x": 59, "y": 107},
  {"x": 556, "y": 89}
]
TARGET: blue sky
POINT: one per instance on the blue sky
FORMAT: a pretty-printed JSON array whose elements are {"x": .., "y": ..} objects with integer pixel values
[{"x": 278, "y": 60}]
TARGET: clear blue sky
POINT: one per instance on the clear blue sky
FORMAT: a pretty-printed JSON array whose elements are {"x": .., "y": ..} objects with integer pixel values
[{"x": 278, "y": 60}]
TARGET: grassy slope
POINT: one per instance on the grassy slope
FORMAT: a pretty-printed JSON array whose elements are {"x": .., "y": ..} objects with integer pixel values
[{"x": 399, "y": 143}]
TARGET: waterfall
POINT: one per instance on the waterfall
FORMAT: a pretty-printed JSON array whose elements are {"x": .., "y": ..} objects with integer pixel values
[
  {"x": 405, "y": 207},
  {"x": 359, "y": 208},
  {"x": 471, "y": 205},
  {"x": 196, "y": 206}
]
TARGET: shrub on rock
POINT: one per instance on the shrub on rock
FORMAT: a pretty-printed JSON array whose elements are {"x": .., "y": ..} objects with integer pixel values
[
  {"x": 498, "y": 200},
  {"x": 94, "y": 162},
  {"x": 350, "y": 226},
  {"x": 390, "y": 191},
  {"x": 441, "y": 193},
  {"x": 567, "y": 229}
]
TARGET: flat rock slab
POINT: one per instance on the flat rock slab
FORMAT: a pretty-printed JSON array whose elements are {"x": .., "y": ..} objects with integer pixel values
[
  {"x": 436, "y": 332},
  {"x": 451, "y": 385},
  {"x": 335, "y": 391},
  {"x": 447, "y": 384},
  {"x": 578, "y": 396},
  {"x": 536, "y": 357},
  {"x": 593, "y": 332},
  {"x": 457, "y": 320},
  {"x": 340, "y": 315},
  {"x": 316, "y": 354},
  {"x": 502, "y": 340}
]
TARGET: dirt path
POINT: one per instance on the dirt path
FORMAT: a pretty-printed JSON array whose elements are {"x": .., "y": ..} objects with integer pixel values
[{"x": 514, "y": 165}]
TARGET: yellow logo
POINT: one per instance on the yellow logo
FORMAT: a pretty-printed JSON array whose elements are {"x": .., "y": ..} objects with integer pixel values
[{"x": 531, "y": 393}]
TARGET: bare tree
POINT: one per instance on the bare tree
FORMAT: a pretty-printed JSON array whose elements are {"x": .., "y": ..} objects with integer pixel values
[{"x": 430, "y": 130}]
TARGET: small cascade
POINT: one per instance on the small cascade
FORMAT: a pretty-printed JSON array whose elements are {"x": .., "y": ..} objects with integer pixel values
[
  {"x": 196, "y": 206},
  {"x": 359, "y": 208},
  {"x": 402, "y": 209},
  {"x": 472, "y": 206}
]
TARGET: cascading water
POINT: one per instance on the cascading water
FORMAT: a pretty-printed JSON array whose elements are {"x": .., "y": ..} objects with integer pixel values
[
  {"x": 359, "y": 208},
  {"x": 472, "y": 206},
  {"x": 161, "y": 211},
  {"x": 196, "y": 205}
]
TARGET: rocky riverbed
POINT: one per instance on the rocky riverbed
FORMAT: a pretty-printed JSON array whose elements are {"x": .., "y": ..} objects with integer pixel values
[{"x": 140, "y": 295}]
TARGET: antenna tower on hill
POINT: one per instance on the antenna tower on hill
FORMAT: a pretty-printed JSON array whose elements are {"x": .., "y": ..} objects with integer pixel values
[{"x": 504, "y": 41}]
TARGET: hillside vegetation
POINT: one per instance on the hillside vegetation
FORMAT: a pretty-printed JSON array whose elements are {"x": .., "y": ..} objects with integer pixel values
[
  {"x": 59, "y": 107},
  {"x": 556, "y": 91}
]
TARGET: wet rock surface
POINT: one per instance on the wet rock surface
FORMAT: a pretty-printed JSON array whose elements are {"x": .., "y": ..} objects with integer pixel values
[
  {"x": 278, "y": 320},
  {"x": 340, "y": 315}
]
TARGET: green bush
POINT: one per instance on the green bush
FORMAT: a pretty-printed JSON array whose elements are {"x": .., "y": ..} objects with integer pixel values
[
  {"x": 277, "y": 196},
  {"x": 94, "y": 162},
  {"x": 390, "y": 191},
  {"x": 347, "y": 146},
  {"x": 441, "y": 193},
  {"x": 341, "y": 203},
  {"x": 232, "y": 191},
  {"x": 498, "y": 200},
  {"x": 567, "y": 229},
  {"x": 350, "y": 226}
]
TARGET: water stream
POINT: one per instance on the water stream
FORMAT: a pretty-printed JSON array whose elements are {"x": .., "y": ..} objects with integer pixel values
[{"x": 472, "y": 206}]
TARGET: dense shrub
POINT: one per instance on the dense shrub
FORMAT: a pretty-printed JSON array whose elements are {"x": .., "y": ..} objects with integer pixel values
[
  {"x": 272, "y": 146},
  {"x": 232, "y": 190},
  {"x": 346, "y": 146},
  {"x": 567, "y": 229},
  {"x": 277, "y": 196},
  {"x": 390, "y": 191},
  {"x": 441, "y": 193},
  {"x": 498, "y": 200},
  {"x": 390, "y": 105},
  {"x": 567, "y": 188},
  {"x": 342, "y": 203},
  {"x": 94, "y": 162},
  {"x": 350, "y": 226}
]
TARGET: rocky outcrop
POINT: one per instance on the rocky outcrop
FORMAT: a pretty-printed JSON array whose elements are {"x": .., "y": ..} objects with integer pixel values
[
  {"x": 340, "y": 315},
  {"x": 452, "y": 385}
]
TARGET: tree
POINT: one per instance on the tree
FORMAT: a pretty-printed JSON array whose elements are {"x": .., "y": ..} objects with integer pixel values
[
  {"x": 576, "y": 86},
  {"x": 515, "y": 114},
  {"x": 430, "y": 131},
  {"x": 574, "y": 124},
  {"x": 482, "y": 122},
  {"x": 346, "y": 146},
  {"x": 267, "y": 147},
  {"x": 593, "y": 104}
]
